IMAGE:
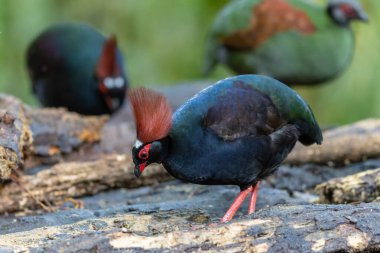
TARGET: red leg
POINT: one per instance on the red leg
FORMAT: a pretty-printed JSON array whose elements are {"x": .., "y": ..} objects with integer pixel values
[
  {"x": 236, "y": 204},
  {"x": 253, "y": 198}
]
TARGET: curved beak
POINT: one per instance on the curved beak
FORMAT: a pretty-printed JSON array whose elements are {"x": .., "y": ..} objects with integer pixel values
[{"x": 139, "y": 168}]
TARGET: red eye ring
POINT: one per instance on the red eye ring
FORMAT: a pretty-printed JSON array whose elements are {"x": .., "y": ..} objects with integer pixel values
[
  {"x": 348, "y": 10},
  {"x": 144, "y": 152},
  {"x": 143, "y": 155}
]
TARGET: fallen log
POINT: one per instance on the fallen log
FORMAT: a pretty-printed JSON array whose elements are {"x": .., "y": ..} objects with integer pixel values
[
  {"x": 62, "y": 181},
  {"x": 301, "y": 228},
  {"x": 306, "y": 177},
  {"x": 342, "y": 145},
  {"x": 31, "y": 135},
  {"x": 360, "y": 187}
]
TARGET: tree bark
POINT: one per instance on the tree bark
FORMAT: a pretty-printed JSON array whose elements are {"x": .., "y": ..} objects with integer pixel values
[
  {"x": 342, "y": 145},
  {"x": 74, "y": 179},
  {"x": 360, "y": 187}
]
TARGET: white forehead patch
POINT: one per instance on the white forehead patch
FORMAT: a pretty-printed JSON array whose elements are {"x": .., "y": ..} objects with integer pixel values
[
  {"x": 114, "y": 82},
  {"x": 109, "y": 82},
  {"x": 119, "y": 82},
  {"x": 138, "y": 144}
]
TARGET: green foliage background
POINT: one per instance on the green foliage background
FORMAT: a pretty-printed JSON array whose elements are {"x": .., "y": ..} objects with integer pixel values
[{"x": 163, "y": 41}]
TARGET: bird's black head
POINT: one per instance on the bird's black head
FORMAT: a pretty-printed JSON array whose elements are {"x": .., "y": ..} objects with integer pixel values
[
  {"x": 109, "y": 75},
  {"x": 343, "y": 11},
  {"x": 145, "y": 154}
]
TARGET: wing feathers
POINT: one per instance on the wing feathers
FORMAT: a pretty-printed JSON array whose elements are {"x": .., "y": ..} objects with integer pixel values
[{"x": 241, "y": 112}]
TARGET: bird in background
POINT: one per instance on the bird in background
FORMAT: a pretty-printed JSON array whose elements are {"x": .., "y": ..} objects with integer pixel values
[
  {"x": 74, "y": 66},
  {"x": 235, "y": 132},
  {"x": 293, "y": 41}
]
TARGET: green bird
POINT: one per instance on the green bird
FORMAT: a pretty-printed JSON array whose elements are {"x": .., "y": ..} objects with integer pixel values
[{"x": 294, "y": 41}]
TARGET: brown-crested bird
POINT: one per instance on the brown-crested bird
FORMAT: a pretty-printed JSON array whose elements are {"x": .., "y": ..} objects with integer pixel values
[
  {"x": 74, "y": 66},
  {"x": 293, "y": 41},
  {"x": 235, "y": 132}
]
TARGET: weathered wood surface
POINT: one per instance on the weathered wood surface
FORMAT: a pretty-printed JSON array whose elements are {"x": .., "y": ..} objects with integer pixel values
[
  {"x": 48, "y": 189},
  {"x": 300, "y": 228},
  {"x": 360, "y": 187},
  {"x": 342, "y": 145},
  {"x": 82, "y": 178},
  {"x": 15, "y": 135},
  {"x": 58, "y": 132}
]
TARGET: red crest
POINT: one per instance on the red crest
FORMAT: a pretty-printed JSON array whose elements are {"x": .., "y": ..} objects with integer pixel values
[
  {"x": 152, "y": 112},
  {"x": 107, "y": 64}
]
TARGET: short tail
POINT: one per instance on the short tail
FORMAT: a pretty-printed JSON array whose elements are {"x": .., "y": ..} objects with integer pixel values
[{"x": 310, "y": 134}]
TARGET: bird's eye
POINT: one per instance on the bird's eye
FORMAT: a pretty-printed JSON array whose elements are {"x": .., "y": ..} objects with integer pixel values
[
  {"x": 348, "y": 10},
  {"x": 143, "y": 154}
]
